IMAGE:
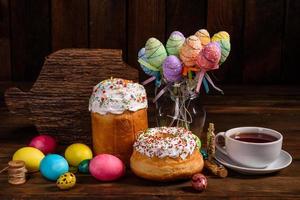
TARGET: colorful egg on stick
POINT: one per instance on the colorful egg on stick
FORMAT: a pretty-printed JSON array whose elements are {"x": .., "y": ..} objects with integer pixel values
[
  {"x": 142, "y": 57},
  {"x": 222, "y": 35},
  {"x": 190, "y": 50},
  {"x": 225, "y": 50},
  {"x": 172, "y": 69},
  {"x": 31, "y": 156},
  {"x": 209, "y": 57},
  {"x": 203, "y": 36},
  {"x": 155, "y": 52},
  {"x": 44, "y": 143},
  {"x": 174, "y": 43}
]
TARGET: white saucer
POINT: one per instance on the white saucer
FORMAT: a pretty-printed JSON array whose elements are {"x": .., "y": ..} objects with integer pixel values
[{"x": 282, "y": 161}]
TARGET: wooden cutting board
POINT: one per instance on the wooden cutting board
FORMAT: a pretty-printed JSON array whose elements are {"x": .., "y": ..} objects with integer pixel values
[{"x": 57, "y": 104}]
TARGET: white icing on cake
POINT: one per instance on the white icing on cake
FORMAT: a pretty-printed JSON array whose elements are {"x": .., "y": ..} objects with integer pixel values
[
  {"x": 116, "y": 96},
  {"x": 178, "y": 142}
]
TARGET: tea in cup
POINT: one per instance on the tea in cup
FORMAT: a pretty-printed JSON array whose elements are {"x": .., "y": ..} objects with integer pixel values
[{"x": 254, "y": 147}]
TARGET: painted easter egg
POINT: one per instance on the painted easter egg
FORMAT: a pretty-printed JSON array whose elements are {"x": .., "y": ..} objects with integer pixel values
[
  {"x": 66, "y": 181},
  {"x": 225, "y": 50},
  {"x": 155, "y": 52},
  {"x": 174, "y": 43},
  {"x": 172, "y": 69},
  {"x": 106, "y": 167},
  {"x": 198, "y": 141},
  {"x": 83, "y": 166},
  {"x": 199, "y": 182},
  {"x": 190, "y": 50},
  {"x": 148, "y": 71},
  {"x": 45, "y": 143},
  {"x": 204, "y": 154},
  {"x": 222, "y": 35},
  {"x": 209, "y": 57},
  {"x": 53, "y": 166},
  {"x": 31, "y": 156},
  {"x": 75, "y": 153},
  {"x": 203, "y": 36}
]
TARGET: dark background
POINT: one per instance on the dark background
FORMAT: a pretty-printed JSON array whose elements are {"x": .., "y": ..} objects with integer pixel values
[{"x": 264, "y": 33}]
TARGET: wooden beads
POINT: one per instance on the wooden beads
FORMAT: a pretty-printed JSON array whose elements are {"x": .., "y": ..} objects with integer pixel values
[{"x": 16, "y": 172}]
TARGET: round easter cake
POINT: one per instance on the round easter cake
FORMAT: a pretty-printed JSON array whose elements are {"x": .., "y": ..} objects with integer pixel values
[{"x": 166, "y": 153}]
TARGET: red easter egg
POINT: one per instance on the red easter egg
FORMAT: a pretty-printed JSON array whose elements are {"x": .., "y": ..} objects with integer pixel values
[
  {"x": 44, "y": 143},
  {"x": 106, "y": 167}
]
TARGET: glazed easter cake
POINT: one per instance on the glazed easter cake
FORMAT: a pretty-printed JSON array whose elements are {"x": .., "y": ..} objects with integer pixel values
[
  {"x": 166, "y": 153},
  {"x": 119, "y": 111}
]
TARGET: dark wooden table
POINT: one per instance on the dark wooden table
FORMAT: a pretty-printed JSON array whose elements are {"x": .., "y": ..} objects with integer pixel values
[{"x": 276, "y": 107}]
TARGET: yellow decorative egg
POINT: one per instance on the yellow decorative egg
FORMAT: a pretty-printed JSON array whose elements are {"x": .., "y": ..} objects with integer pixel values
[
  {"x": 222, "y": 35},
  {"x": 75, "y": 153},
  {"x": 203, "y": 36},
  {"x": 66, "y": 181},
  {"x": 31, "y": 156}
]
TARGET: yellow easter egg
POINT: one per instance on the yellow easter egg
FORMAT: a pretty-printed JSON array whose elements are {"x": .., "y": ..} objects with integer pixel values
[
  {"x": 203, "y": 36},
  {"x": 66, "y": 181},
  {"x": 222, "y": 35},
  {"x": 31, "y": 156},
  {"x": 190, "y": 50},
  {"x": 75, "y": 153}
]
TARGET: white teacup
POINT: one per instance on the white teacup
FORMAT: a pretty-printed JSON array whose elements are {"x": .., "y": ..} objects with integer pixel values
[{"x": 251, "y": 153}]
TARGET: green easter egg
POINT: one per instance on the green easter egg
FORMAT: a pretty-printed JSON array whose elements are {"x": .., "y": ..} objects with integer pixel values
[
  {"x": 198, "y": 141},
  {"x": 73, "y": 169},
  {"x": 225, "y": 50},
  {"x": 83, "y": 166},
  {"x": 155, "y": 52},
  {"x": 174, "y": 43}
]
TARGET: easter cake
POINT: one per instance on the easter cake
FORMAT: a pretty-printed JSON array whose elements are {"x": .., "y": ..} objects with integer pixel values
[
  {"x": 119, "y": 111},
  {"x": 166, "y": 153}
]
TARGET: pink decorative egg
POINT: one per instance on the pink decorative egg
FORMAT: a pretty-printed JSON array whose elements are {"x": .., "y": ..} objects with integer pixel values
[
  {"x": 106, "y": 167},
  {"x": 210, "y": 56},
  {"x": 44, "y": 143}
]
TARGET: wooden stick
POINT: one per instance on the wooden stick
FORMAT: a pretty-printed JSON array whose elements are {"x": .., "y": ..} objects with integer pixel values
[{"x": 216, "y": 169}]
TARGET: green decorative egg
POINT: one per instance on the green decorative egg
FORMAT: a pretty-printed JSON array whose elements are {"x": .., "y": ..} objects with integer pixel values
[
  {"x": 225, "y": 50},
  {"x": 155, "y": 52},
  {"x": 174, "y": 43},
  {"x": 66, "y": 181},
  {"x": 73, "y": 169},
  {"x": 83, "y": 166},
  {"x": 198, "y": 141}
]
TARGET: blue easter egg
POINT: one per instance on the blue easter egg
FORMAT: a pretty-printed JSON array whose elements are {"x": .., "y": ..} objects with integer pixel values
[{"x": 53, "y": 166}]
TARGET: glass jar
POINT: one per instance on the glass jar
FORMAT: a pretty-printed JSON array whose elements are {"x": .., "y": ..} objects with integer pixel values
[{"x": 180, "y": 107}]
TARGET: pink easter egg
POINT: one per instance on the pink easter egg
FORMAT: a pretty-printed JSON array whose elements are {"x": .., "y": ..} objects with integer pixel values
[
  {"x": 210, "y": 56},
  {"x": 106, "y": 167},
  {"x": 45, "y": 143}
]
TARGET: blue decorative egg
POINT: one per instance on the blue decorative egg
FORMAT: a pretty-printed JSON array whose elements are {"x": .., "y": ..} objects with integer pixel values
[{"x": 53, "y": 166}]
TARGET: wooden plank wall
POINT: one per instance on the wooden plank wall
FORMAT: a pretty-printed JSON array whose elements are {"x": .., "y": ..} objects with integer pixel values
[{"x": 264, "y": 33}]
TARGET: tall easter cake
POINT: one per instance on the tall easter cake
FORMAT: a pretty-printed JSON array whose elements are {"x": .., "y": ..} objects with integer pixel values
[{"x": 119, "y": 111}]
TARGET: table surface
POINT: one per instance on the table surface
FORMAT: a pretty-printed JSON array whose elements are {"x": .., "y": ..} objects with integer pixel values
[{"x": 276, "y": 107}]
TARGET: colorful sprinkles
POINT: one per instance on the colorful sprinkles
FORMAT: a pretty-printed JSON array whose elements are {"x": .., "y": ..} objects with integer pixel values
[
  {"x": 117, "y": 95},
  {"x": 164, "y": 142}
]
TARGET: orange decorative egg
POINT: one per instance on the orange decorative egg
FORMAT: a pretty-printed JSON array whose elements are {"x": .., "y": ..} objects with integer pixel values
[{"x": 190, "y": 50}]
